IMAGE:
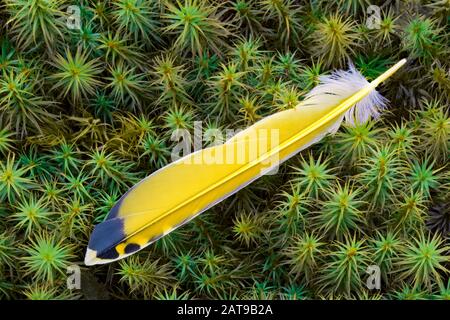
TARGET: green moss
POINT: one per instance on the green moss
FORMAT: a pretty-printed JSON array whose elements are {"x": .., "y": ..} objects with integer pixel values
[{"x": 85, "y": 114}]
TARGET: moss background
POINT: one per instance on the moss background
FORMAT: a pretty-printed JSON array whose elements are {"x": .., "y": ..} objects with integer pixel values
[{"x": 87, "y": 112}]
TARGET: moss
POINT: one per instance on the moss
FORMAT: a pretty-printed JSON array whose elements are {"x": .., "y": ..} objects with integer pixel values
[{"x": 85, "y": 114}]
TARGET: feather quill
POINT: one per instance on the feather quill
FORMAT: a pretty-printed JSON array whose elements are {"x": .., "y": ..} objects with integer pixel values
[{"x": 175, "y": 194}]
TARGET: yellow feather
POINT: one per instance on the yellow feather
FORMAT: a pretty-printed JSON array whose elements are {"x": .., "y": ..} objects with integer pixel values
[{"x": 178, "y": 192}]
